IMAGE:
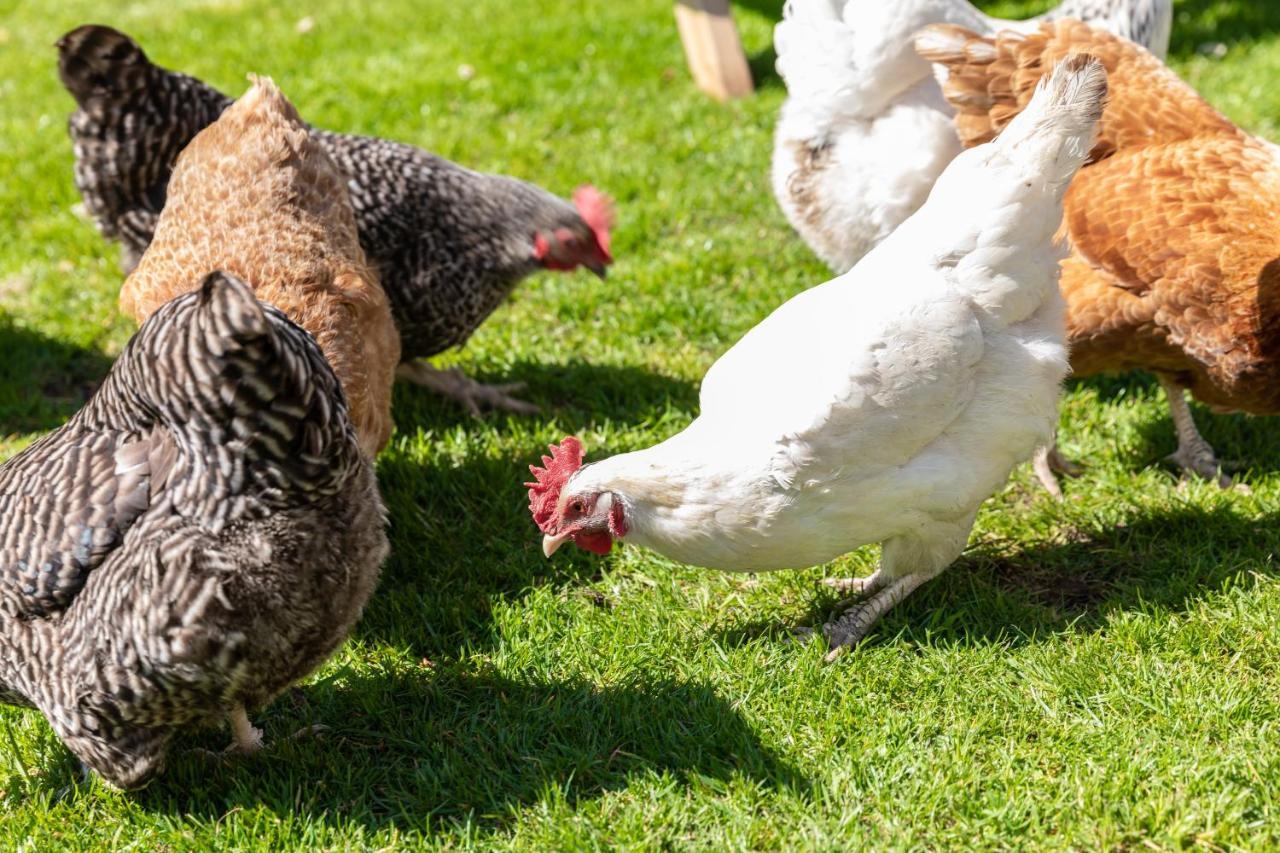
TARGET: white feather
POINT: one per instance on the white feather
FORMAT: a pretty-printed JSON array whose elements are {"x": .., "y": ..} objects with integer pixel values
[{"x": 888, "y": 403}]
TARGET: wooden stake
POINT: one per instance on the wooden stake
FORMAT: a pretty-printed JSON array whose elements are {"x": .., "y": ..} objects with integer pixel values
[{"x": 713, "y": 48}]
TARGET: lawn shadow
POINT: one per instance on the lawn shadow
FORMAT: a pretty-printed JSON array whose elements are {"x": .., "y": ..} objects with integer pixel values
[
  {"x": 428, "y": 750},
  {"x": 1010, "y": 593},
  {"x": 770, "y": 10},
  {"x": 763, "y": 63},
  {"x": 43, "y": 381},
  {"x": 1200, "y": 22},
  {"x": 574, "y": 391},
  {"x": 1250, "y": 443},
  {"x": 461, "y": 534}
]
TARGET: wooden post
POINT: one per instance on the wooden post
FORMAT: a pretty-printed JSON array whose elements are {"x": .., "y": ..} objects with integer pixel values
[{"x": 713, "y": 48}]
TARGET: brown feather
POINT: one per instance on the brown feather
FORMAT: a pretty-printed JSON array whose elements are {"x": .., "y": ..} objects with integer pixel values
[
  {"x": 1175, "y": 263},
  {"x": 254, "y": 195}
]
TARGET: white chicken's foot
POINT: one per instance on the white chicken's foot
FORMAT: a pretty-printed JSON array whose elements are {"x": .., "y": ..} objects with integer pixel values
[
  {"x": 1048, "y": 463},
  {"x": 855, "y": 622},
  {"x": 472, "y": 395},
  {"x": 246, "y": 738},
  {"x": 1194, "y": 455}
]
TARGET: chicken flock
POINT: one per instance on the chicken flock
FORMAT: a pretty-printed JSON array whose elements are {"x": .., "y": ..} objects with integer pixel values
[{"x": 1002, "y": 203}]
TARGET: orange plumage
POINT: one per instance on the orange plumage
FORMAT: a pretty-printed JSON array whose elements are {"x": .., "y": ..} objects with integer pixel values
[
  {"x": 1175, "y": 261},
  {"x": 255, "y": 196}
]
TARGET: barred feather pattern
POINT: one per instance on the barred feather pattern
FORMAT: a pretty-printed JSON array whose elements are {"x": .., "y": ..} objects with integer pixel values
[
  {"x": 450, "y": 244},
  {"x": 203, "y": 533}
]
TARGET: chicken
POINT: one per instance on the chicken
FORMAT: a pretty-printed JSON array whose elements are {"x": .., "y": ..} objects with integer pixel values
[
  {"x": 862, "y": 411},
  {"x": 449, "y": 244},
  {"x": 865, "y": 131},
  {"x": 254, "y": 195},
  {"x": 202, "y": 534},
  {"x": 1175, "y": 258}
]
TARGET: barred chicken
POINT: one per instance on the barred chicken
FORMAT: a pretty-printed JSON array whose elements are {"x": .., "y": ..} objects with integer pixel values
[
  {"x": 255, "y": 195},
  {"x": 865, "y": 131},
  {"x": 1175, "y": 260},
  {"x": 449, "y": 244},
  {"x": 202, "y": 534},
  {"x": 883, "y": 406}
]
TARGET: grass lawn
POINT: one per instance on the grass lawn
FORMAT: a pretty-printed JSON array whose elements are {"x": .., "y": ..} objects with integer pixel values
[{"x": 1098, "y": 673}]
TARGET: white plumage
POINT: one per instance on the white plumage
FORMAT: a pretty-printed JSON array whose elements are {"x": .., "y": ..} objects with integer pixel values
[
  {"x": 865, "y": 130},
  {"x": 882, "y": 406}
]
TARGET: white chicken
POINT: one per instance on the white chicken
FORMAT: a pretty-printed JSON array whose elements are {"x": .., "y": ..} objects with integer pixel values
[
  {"x": 865, "y": 131},
  {"x": 883, "y": 406}
]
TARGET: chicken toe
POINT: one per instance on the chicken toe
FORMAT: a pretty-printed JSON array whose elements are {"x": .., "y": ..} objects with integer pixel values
[
  {"x": 857, "y": 588},
  {"x": 472, "y": 395},
  {"x": 246, "y": 738},
  {"x": 856, "y": 622}
]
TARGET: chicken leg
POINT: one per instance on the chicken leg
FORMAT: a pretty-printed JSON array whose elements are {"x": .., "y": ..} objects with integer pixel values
[
  {"x": 471, "y": 394},
  {"x": 924, "y": 555},
  {"x": 1194, "y": 454},
  {"x": 1048, "y": 463},
  {"x": 246, "y": 738}
]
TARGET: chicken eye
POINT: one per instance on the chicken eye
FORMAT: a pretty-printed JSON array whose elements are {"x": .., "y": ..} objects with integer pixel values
[{"x": 576, "y": 507}]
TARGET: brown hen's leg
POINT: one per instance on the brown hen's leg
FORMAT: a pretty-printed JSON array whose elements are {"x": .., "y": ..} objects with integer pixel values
[
  {"x": 471, "y": 394},
  {"x": 1194, "y": 455}
]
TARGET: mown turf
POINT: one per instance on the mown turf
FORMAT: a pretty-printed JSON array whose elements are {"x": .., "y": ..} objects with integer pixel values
[{"x": 1097, "y": 673}]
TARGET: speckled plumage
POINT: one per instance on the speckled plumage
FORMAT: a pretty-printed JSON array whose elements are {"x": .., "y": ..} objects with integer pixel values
[
  {"x": 204, "y": 532},
  {"x": 1175, "y": 248},
  {"x": 449, "y": 244},
  {"x": 255, "y": 195}
]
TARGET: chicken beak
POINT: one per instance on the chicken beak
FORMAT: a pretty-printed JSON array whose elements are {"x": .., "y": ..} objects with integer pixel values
[
  {"x": 551, "y": 544},
  {"x": 601, "y": 271}
]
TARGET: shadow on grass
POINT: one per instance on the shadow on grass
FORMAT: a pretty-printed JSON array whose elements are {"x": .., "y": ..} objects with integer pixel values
[
  {"x": 1200, "y": 22},
  {"x": 1250, "y": 443},
  {"x": 1010, "y": 592},
  {"x": 461, "y": 534},
  {"x": 576, "y": 392},
  {"x": 43, "y": 381},
  {"x": 415, "y": 749}
]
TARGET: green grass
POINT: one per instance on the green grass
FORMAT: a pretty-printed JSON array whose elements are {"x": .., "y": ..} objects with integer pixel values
[{"x": 1097, "y": 673}]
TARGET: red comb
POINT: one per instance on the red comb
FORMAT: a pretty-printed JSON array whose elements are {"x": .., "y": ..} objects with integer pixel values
[
  {"x": 596, "y": 209},
  {"x": 544, "y": 491}
]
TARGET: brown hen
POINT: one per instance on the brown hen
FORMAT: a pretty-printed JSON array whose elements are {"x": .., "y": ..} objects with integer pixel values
[
  {"x": 254, "y": 195},
  {"x": 1175, "y": 244}
]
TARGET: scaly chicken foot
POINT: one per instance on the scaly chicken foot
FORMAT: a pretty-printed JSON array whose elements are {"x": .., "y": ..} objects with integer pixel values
[
  {"x": 1194, "y": 455},
  {"x": 856, "y": 622},
  {"x": 473, "y": 395},
  {"x": 246, "y": 738}
]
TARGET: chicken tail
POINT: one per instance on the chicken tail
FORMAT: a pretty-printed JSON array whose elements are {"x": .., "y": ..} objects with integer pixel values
[
  {"x": 1053, "y": 136},
  {"x": 224, "y": 370}
]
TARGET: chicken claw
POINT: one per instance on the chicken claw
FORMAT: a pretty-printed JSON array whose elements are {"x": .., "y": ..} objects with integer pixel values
[
  {"x": 856, "y": 622},
  {"x": 473, "y": 395}
]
